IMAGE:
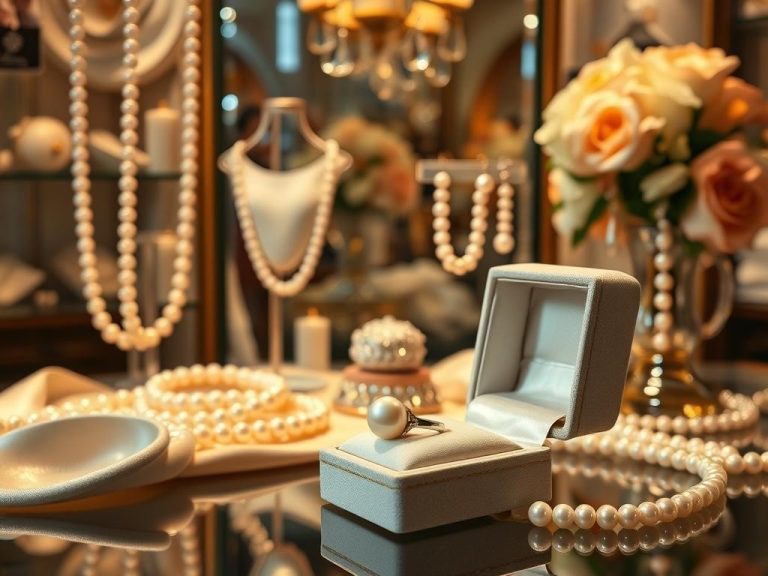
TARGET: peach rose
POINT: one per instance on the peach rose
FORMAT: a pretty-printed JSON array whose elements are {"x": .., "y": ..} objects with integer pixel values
[
  {"x": 606, "y": 133},
  {"x": 736, "y": 104},
  {"x": 732, "y": 198}
]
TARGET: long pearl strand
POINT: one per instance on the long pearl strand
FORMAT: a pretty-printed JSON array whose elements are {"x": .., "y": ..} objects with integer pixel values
[
  {"x": 504, "y": 240},
  {"x": 712, "y": 461},
  {"x": 132, "y": 335},
  {"x": 441, "y": 210},
  {"x": 626, "y": 541},
  {"x": 664, "y": 283},
  {"x": 739, "y": 413},
  {"x": 217, "y": 405},
  {"x": 299, "y": 280}
]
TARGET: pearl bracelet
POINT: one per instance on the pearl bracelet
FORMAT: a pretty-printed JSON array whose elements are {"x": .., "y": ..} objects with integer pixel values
[
  {"x": 180, "y": 389},
  {"x": 284, "y": 417}
]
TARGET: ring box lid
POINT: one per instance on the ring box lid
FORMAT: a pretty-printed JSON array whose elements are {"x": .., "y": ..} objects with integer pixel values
[{"x": 552, "y": 351}]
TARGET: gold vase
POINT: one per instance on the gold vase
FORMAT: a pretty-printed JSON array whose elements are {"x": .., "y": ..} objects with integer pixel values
[{"x": 665, "y": 382}]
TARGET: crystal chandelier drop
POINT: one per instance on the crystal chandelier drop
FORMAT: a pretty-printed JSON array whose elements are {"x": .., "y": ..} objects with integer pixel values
[{"x": 397, "y": 44}]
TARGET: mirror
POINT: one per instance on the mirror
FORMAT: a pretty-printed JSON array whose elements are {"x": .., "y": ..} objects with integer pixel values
[{"x": 379, "y": 255}]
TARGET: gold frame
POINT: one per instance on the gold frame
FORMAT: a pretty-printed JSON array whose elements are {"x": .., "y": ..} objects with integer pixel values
[{"x": 207, "y": 242}]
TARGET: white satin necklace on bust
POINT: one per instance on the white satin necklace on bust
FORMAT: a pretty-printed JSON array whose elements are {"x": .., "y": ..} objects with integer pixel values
[
  {"x": 132, "y": 334},
  {"x": 283, "y": 202}
]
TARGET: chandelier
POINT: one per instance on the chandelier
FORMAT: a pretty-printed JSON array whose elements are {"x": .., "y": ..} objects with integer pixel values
[{"x": 397, "y": 44}]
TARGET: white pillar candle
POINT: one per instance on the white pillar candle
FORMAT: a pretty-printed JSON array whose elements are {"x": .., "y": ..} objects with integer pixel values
[
  {"x": 312, "y": 341},
  {"x": 162, "y": 138}
]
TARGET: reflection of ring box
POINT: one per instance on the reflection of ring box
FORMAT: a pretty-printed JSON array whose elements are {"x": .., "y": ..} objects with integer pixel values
[
  {"x": 550, "y": 360},
  {"x": 480, "y": 546}
]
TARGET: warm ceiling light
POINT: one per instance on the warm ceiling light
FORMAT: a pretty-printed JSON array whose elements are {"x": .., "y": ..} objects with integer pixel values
[{"x": 396, "y": 43}]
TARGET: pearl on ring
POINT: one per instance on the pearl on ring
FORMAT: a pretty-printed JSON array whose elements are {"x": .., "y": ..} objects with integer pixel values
[{"x": 388, "y": 418}]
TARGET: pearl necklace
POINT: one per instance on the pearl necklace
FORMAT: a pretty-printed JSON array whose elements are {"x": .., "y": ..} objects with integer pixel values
[
  {"x": 712, "y": 461},
  {"x": 664, "y": 283},
  {"x": 441, "y": 210},
  {"x": 740, "y": 413},
  {"x": 504, "y": 241},
  {"x": 132, "y": 335},
  {"x": 626, "y": 541},
  {"x": 294, "y": 285},
  {"x": 228, "y": 413}
]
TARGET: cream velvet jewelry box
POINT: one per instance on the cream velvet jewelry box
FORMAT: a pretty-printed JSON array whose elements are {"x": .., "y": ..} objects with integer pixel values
[
  {"x": 550, "y": 360},
  {"x": 480, "y": 546}
]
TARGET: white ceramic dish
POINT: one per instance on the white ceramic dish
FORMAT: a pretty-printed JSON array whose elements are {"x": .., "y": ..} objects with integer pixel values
[{"x": 76, "y": 457}]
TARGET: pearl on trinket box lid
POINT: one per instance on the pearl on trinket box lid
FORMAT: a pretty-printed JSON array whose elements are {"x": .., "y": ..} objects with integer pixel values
[{"x": 388, "y": 345}]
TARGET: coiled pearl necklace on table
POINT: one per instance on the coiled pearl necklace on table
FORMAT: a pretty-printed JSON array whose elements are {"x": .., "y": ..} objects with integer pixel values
[
  {"x": 712, "y": 461},
  {"x": 132, "y": 335},
  {"x": 626, "y": 540},
  {"x": 218, "y": 405},
  {"x": 740, "y": 413},
  {"x": 261, "y": 266}
]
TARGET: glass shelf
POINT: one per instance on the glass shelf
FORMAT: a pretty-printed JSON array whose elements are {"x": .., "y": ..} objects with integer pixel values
[{"x": 31, "y": 175}]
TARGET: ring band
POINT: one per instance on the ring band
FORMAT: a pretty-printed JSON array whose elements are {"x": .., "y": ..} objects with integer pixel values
[{"x": 388, "y": 418}]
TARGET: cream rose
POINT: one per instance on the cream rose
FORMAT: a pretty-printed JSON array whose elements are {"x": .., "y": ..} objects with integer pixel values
[
  {"x": 607, "y": 133},
  {"x": 703, "y": 69},
  {"x": 593, "y": 77},
  {"x": 732, "y": 198},
  {"x": 575, "y": 200}
]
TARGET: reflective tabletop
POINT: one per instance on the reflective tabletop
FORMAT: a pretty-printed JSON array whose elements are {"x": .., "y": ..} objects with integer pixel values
[{"x": 274, "y": 523}]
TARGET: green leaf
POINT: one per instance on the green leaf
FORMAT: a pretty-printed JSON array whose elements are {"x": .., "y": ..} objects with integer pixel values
[{"x": 598, "y": 208}]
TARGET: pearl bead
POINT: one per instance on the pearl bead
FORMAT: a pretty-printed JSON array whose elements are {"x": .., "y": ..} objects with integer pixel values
[
  {"x": 585, "y": 516},
  {"x": 662, "y": 301},
  {"x": 628, "y": 516},
  {"x": 649, "y": 513},
  {"x": 662, "y": 321},
  {"x": 663, "y": 281},
  {"x": 662, "y": 342},
  {"x": 441, "y": 210},
  {"x": 503, "y": 243},
  {"x": 484, "y": 183},
  {"x": 562, "y": 515},
  {"x": 664, "y": 241},
  {"x": 540, "y": 514},
  {"x": 607, "y": 517},
  {"x": 387, "y": 418}
]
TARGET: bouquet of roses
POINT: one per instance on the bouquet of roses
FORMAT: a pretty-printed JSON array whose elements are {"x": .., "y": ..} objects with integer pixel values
[
  {"x": 381, "y": 177},
  {"x": 658, "y": 134}
]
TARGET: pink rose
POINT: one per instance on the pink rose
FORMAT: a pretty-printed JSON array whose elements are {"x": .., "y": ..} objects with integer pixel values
[
  {"x": 732, "y": 198},
  {"x": 735, "y": 104}
]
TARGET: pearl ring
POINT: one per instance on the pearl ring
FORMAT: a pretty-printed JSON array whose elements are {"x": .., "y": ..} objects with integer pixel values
[{"x": 389, "y": 419}]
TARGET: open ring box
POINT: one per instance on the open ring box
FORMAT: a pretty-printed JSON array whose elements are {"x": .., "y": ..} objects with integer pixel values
[{"x": 550, "y": 361}]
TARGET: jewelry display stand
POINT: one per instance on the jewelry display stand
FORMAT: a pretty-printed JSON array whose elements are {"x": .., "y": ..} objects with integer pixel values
[
  {"x": 466, "y": 171},
  {"x": 502, "y": 178},
  {"x": 274, "y": 112}
]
